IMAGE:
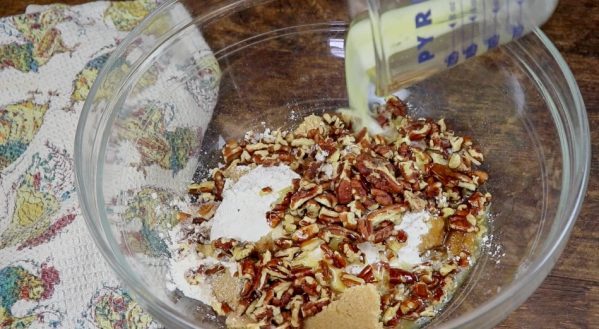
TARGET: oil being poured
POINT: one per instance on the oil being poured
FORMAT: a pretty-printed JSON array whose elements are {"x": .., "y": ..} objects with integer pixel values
[{"x": 392, "y": 44}]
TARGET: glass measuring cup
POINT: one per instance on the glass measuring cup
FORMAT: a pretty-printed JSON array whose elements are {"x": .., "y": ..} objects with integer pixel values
[{"x": 395, "y": 43}]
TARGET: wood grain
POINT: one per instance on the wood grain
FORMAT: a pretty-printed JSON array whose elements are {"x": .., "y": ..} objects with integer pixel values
[
  {"x": 15, "y": 7},
  {"x": 569, "y": 297}
]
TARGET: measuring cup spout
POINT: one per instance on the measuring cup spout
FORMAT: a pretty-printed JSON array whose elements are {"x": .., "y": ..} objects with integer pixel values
[{"x": 394, "y": 43}]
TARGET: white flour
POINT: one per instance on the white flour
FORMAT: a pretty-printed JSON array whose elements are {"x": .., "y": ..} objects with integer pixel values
[
  {"x": 328, "y": 170},
  {"x": 321, "y": 154},
  {"x": 183, "y": 261},
  {"x": 415, "y": 224},
  {"x": 371, "y": 252},
  {"x": 242, "y": 216},
  {"x": 242, "y": 213}
]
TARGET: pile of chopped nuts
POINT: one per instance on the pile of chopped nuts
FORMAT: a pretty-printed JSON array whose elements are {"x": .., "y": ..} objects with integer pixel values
[{"x": 354, "y": 188}]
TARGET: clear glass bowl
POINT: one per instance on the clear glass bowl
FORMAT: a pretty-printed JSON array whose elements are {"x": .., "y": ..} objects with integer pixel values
[{"x": 163, "y": 104}]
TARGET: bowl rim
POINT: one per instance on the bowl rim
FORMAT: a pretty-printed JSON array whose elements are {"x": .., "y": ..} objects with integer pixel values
[{"x": 481, "y": 316}]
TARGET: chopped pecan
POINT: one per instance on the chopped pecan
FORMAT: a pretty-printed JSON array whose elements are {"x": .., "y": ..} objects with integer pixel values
[
  {"x": 342, "y": 232},
  {"x": 251, "y": 148},
  {"x": 242, "y": 251},
  {"x": 248, "y": 274},
  {"x": 283, "y": 243},
  {"x": 274, "y": 218},
  {"x": 312, "y": 208},
  {"x": 383, "y": 233},
  {"x": 338, "y": 260},
  {"x": 411, "y": 306},
  {"x": 324, "y": 219},
  {"x": 390, "y": 213},
  {"x": 384, "y": 150},
  {"x": 382, "y": 197},
  {"x": 400, "y": 235},
  {"x": 367, "y": 274},
  {"x": 181, "y": 216},
  {"x": 308, "y": 284},
  {"x": 397, "y": 276},
  {"x": 358, "y": 188},
  {"x": 210, "y": 270},
  {"x": 447, "y": 268},
  {"x": 448, "y": 176},
  {"x": 483, "y": 177},
  {"x": 350, "y": 280},
  {"x": 420, "y": 289},
  {"x": 305, "y": 233},
  {"x": 474, "y": 153},
  {"x": 454, "y": 161},
  {"x": 326, "y": 199},
  {"x": 456, "y": 143},
  {"x": 416, "y": 203},
  {"x": 328, "y": 212},
  {"x": 312, "y": 308},
  {"x": 300, "y": 197},
  {"x": 231, "y": 151},
  {"x": 351, "y": 252},
  {"x": 461, "y": 223},
  {"x": 397, "y": 107},
  {"x": 376, "y": 171},
  {"x": 219, "y": 185},
  {"x": 306, "y": 220},
  {"x": 364, "y": 228},
  {"x": 408, "y": 172},
  {"x": 418, "y": 130},
  {"x": 348, "y": 219},
  {"x": 224, "y": 244},
  {"x": 203, "y": 187},
  {"x": 207, "y": 210},
  {"x": 301, "y": 271},
  {"x": 344, "y": 191},
  {"x": 476, "y": 200},
  {"x": 323, "y": 268}
]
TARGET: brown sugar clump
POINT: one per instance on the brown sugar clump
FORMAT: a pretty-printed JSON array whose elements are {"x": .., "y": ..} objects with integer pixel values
[
  {"x": 226, "y": 289},
  {"x": 435, "y": 235},
  {"x": 358, "y": 308},
  {"x": 461, "y": 241}
]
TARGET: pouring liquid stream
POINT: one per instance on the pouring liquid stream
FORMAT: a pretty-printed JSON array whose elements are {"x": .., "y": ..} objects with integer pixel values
[{"x": 392, "y": 44}]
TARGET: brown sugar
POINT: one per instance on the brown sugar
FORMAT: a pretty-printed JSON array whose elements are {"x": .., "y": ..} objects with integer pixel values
[
  {"x": 435, "y": 235},
  {"x": 358, "y": 308},
  {"x": 461, "y": 241},
  {"x": 226, "y": 289}
]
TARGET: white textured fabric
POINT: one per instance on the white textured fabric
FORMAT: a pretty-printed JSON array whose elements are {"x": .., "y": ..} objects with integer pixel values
[{"x": 51, "y": 273}]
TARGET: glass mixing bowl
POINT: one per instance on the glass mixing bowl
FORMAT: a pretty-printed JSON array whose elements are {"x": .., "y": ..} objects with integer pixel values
[{"x": 164, "y": 103}]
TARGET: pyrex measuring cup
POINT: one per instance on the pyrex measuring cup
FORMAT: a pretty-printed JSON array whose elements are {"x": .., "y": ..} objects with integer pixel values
[{"x": 394, "y": 43}]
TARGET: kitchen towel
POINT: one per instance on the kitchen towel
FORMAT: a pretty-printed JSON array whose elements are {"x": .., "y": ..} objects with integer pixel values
[{"x": 51, "y": 273}]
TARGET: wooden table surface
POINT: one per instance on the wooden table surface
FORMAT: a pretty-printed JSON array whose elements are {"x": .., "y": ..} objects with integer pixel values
[{"x": 569, "y": 297}]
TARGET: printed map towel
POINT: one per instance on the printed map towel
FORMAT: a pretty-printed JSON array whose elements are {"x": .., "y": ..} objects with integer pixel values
[{"x": 51, "y": 274}]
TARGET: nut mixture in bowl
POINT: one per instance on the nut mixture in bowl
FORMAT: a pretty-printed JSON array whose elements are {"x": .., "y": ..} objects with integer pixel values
[{"x": 325, "y": 226}]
